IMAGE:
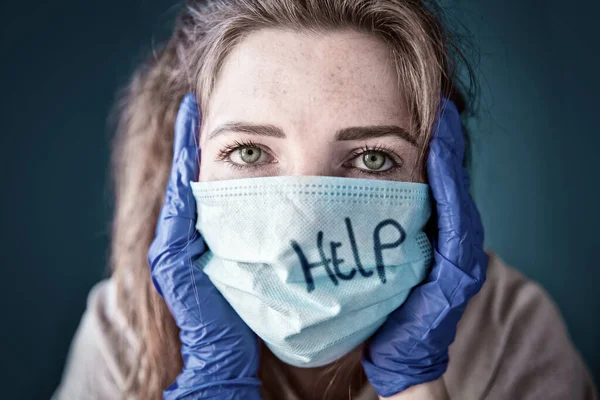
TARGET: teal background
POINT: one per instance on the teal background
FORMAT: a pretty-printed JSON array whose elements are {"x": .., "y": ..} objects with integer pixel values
[{"x": 535, "y": 147}]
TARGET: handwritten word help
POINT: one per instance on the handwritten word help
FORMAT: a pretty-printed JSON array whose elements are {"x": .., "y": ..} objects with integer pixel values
[{"x": 332, "y": 264}]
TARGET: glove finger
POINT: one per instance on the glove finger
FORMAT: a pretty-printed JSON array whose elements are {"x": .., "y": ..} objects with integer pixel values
[
  {"x": 179, "y": 202},
  {"x": 447, "y": 179},
  {"x": 448, "y": 129},
  {"x": 176, "y": 237}
]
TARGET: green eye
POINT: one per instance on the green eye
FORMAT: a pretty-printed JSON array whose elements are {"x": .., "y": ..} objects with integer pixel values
[
  {"x": 374, "y": 160},
  {"x": 250, "y": 155}
]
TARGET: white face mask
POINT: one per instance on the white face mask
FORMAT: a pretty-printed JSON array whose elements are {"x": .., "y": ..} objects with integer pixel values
[{"x": 313, "y": 265}]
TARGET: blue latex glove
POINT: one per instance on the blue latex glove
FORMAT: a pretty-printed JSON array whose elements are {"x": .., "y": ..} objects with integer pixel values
[
  {"x": 412, "y": 345},
  {"x": 220, "y": 353}
]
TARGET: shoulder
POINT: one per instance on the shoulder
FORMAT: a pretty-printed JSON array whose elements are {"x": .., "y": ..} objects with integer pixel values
[
  {"x": 513, "y": 343},
  {"x": 101, "y": 350}
]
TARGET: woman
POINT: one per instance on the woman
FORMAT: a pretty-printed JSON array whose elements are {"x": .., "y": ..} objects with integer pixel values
[{"x": 322, "y": 132}]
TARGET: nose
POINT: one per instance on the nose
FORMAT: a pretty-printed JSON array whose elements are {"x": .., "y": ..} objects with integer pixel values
[
  {"x": 311, "y": 162},
  {"x": 312, "y": 169}
]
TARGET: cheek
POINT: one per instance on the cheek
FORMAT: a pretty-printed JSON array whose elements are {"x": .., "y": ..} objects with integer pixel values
[
  {"x": 420, "y": 175},
  {"x": 209, "y": 168},
  {"x": 212, "y": 170},
  {"x": 415, "y": 168},
  {"x": 204, "y": 171}
]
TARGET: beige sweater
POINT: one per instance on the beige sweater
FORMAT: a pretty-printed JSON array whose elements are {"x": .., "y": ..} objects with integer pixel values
[{"x": 511, "y": 344}]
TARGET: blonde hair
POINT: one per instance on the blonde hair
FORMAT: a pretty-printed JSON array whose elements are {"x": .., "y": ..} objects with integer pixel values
[{"x": 426, "y": 58}]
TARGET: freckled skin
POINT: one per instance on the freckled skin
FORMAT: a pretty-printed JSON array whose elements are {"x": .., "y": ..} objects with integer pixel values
[{"x": 310, "y": 85}]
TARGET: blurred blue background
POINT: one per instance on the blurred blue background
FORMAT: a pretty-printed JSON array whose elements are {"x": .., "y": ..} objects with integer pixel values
[{"x": 534, "y": 151}]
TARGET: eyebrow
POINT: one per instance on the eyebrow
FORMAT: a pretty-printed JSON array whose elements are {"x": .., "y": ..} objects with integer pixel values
[
  {"x": 345, "y": 134},
  {"x": 376, "y": 131},
  {"x": 250, "y": 129}
]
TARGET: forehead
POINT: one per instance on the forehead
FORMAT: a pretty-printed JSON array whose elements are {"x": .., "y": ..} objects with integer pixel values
[{"x": 301, "y": 78}]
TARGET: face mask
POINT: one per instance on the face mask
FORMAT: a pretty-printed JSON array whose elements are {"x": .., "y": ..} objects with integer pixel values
[{"x": 313, "y": 265}]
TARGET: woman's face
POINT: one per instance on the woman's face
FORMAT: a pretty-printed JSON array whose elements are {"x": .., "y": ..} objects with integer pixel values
[{"x": 289, "y": 103}]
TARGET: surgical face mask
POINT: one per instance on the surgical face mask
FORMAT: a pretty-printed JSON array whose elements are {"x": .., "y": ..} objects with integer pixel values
[{"x": 313, "y": 265}]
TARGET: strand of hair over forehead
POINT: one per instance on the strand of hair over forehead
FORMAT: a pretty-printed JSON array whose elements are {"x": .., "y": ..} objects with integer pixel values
[{"x": 306, "y": 11}]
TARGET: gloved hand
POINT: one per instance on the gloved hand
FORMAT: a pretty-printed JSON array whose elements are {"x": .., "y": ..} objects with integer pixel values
[
  {"x": 411, "y": 347},
  {"x": 220, "y": 353}
]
